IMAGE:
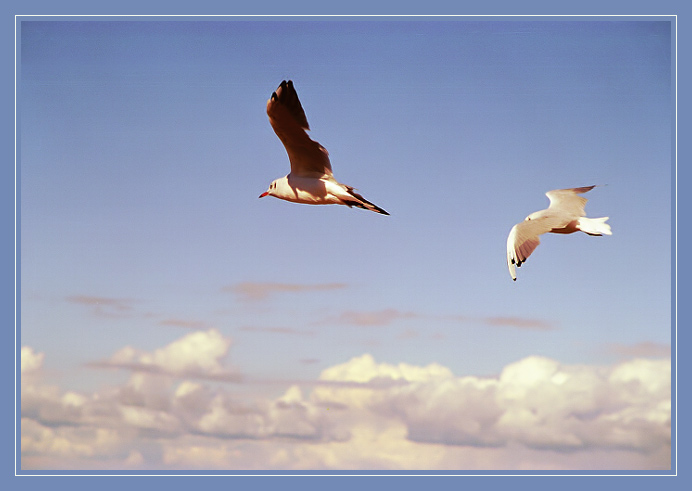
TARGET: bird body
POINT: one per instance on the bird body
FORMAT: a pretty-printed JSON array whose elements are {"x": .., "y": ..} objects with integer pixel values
[
  {"x": 311, "y": 180},
  {"x": 565, "y": 215},
  {"x": 323, "y": 190}
]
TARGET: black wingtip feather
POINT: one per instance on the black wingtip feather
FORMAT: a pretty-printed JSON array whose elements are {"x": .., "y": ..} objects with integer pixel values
[{"x": 287, "y": 96}]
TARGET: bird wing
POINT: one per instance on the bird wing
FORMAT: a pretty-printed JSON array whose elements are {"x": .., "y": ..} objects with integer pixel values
[
  {"x": 286, "y": 115},
  {"x": 523, "y": 239},
  {"x": 566, "y": 200}
]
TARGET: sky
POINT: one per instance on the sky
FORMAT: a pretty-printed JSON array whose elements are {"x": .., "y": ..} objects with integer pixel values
[{"x": 171, "y": 320}]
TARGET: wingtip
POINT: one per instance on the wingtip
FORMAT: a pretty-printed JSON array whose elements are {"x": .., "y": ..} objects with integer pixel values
[
  {"x": 584, "y": 189},
  {"x": 380, "y": 210},
  {"x": 281, "y": 86}
]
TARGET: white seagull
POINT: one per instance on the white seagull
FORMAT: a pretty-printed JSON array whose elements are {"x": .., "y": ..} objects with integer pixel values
[
  {"x": 565, "y": 215},
  {"x": 310, "y": 180}
]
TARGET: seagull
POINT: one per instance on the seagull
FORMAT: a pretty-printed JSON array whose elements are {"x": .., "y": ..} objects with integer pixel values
[
  {"x": 310, "y": 180},
  {"x": 565, "y": 215}
]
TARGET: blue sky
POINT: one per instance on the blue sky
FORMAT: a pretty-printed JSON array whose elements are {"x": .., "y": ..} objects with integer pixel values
[{"x": 148, "y": 261}]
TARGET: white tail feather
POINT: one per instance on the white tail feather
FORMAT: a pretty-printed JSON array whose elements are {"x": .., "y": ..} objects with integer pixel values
[{"x": 594, "y": 226}]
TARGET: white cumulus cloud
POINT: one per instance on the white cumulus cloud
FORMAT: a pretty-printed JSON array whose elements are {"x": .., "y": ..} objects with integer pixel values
[
  {"x": 361, "y": 414},
  {"x": 199, "y": 351},
  {"x": 31, "y": 361}
]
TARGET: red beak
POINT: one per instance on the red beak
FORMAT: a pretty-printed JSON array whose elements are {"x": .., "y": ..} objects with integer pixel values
[{"x": 264, "y": 194}]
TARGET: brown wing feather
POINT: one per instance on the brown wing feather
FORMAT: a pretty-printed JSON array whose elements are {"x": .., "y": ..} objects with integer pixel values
[{"x": 290, "y": 124}]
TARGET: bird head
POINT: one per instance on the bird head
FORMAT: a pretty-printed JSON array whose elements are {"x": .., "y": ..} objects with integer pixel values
[{"x": 270, "y": 190}]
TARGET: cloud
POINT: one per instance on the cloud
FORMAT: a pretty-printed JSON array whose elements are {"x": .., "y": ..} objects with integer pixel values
[
  {"x": 364, "y": 368},
  {"x": 540, "y": 404},
  {"x": 278, "y": 330},
  {"x": 387, "y": 317},
  {"x": 228, "y": 376},
  {"x": 104, "y": 306},
  {"x": 188, "y": 324},
  {"x": 408, "y": 334},
  {"x": 199, "y": 354},
  {"x": 535, "y": 402},
  {"x": 31, "y": 361},
  {"x": 200, "y": 351},
  {"x": 261, "y": 291},
  {"x": 520, "y": 323},
  {"x": 368, "y": 319},
  {"x": 65, "y": 443},
  {"x": 360, "y": 414},
  {"x": 645, "y": 349}
]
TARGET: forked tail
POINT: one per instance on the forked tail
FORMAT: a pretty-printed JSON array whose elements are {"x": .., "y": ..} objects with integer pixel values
[{"x": 594, "y": 226}]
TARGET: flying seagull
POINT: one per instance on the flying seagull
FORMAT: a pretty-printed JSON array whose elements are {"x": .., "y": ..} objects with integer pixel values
[
  {"x": 565, "y": 215},
  {"x": 310, "y": 180}
]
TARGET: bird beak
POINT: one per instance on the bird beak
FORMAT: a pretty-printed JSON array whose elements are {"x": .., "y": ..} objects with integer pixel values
[{"x": 264, "y": 194}]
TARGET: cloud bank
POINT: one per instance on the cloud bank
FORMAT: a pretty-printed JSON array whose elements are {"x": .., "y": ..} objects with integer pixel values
[{"x": 172, "y": 413}]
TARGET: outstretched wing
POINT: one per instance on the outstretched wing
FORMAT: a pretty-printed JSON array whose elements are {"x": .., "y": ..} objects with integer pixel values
[
  {"x": 568, "y": 200},
  {"x": 286, "y": 115},
  {"x": 523, "y": 240}
]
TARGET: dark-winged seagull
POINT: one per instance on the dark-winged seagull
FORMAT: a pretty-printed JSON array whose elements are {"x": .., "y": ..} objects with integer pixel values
[{"x": 310, "y": 180}]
